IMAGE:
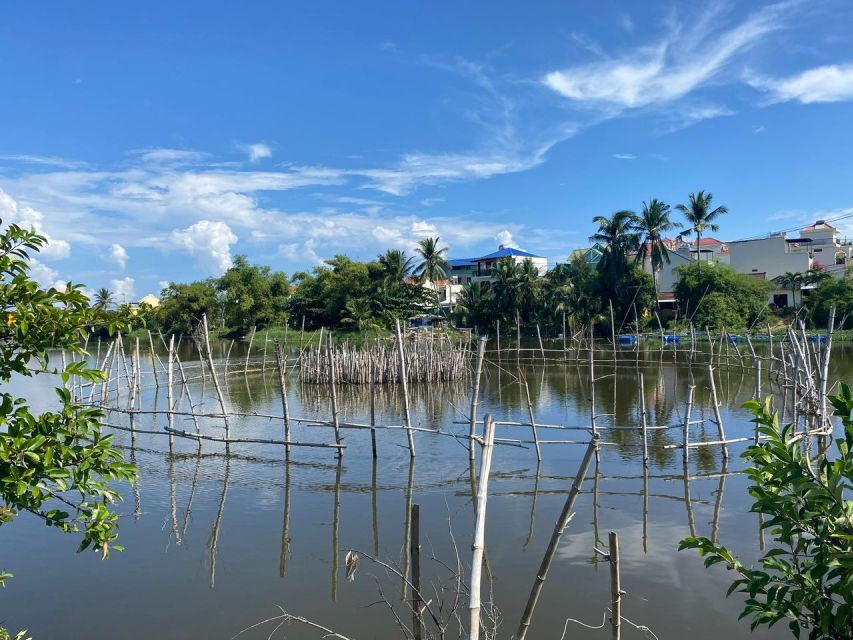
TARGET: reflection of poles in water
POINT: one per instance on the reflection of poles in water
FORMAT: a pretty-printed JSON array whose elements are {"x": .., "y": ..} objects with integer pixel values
[
  {"x": 415, "y": 552},
  {"x": 217, "y": 523},
  {"x": 285, "y": 527},
  {"x": 407, "y": 530},
  {"x": 718, "y": 503},
  {"x": 690, "y": 521},
  {"x": 533, "y": 506},
  {"x": 687, "y": 412},
  {"x": 189, "y": 508},
  {"x": 562, "y": 523},
  {"x": 480, "y": 527},
  {"x": 375, "y": 511},
  {"x": 137, "y": 498},
  {"x": 335, "y": 524},
  {"x": 596, "y": 477},
  {"x": 173, "y": 494}
]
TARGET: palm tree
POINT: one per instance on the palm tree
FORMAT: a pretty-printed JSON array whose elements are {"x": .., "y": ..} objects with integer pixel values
[
  {"x": 527, "y": 284},
  {"x": 619, "y": 237},
  {"x": 793, "y": 281},
  {"x": 434, "y": 264},
  {"x": 700, "y": 216},
  {"x": 504, "y": 277},
  {"x": 474, "y": 305},
  {"x": 396, "y": 265},
  {"x": 652, "y": 224},
  {"x": 103, "y": 299}
]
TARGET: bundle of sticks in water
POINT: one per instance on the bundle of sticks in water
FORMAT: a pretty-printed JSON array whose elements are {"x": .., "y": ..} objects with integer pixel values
[{"x": 426, "y": 360}]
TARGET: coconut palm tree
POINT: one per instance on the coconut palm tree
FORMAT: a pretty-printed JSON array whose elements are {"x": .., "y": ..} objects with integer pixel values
[
  {"x": 103, "y": 299},
  {"x": 651, "y": 225},
  {"x": 434, "y": 264},
  {"x": 793, "y": 281},
  {"x": 619, "y": 236},
  {"x": 504, "y": 285},
  {"x": 475, "y": 305},
  {"x": 700, "y": 217},
  {"x": 528, "y": 285},
  {"x": 396, "y": 265}
]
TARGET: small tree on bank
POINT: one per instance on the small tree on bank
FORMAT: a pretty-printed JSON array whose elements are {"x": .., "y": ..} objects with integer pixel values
[
  {"x": 806, "y": 579},
  {"x": 56, "y": 466}
]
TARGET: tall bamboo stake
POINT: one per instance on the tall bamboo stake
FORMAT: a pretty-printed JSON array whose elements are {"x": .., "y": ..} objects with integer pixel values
[
  {"x": 249, "y": 349},
  {"x": 559, "y": 528},
  {"x": 523, "y": 381},
  {"x": 372, "y": 374},
  {"x": 475, "y": 396},
  {"x": 334, "y": 394},
  {"x": 153, "y": 360},
  {"x": 480, "y": 528},
  {"x": 415, "y": 553},
  {"x": 404, "y": 384},
  {"x": 690, "y": 390},
  {"x": 215, "y": 379},
  {"x": 644, "y": 419},
  {"x": 715, "y": 405},
  {"x": 281, "y": 365},
  {"x": 539, "y": 335},
  {"x": 615, "y": 587},
  {"x": 171, "y": 359}
]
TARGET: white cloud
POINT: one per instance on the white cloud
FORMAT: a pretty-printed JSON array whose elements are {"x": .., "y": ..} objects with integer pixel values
[
  {"x": 624, "y": 156},
  {"x": 665, "y": 71},
  {"x": 44, "y": 275},
  {"x": 27, "y": 217},
  {"x": 49, "y": 161},
  {"x": 257, "y": 151},
  {"x": 123, "y": 290},
  {"x": 169, "y": 156},
  {"x": 163, "y": 285},
  {"x": 118, "y": 254},
  {"x": 209, "y": 241},
  {"x": 505, "y": 239},
  {"x": 831, "y": 83}
]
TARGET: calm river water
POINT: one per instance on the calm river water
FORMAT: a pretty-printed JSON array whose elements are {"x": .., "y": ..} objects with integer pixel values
[{"x": 206, "y": 551}]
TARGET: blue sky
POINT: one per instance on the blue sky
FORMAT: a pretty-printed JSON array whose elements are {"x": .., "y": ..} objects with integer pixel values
[{"x": 154, "y": 141}]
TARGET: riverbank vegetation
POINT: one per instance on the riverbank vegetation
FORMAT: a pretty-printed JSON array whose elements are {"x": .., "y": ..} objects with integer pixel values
[
  {"x": 56, "y": 466},
  {"x": 806, "y": 580}
]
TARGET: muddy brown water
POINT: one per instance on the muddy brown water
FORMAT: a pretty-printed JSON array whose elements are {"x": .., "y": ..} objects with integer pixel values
[{"x": 206, "y": 551}]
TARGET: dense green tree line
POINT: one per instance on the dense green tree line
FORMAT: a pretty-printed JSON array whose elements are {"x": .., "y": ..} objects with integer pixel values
[{"x": 611, "y": 292}]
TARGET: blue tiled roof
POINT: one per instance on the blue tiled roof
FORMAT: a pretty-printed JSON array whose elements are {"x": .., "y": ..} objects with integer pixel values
[
  {"x": 463, "y": 262},
  {"x": 508, "y": 251}
]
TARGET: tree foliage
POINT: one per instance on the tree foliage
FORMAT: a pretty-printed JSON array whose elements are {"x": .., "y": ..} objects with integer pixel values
[
  {"x": 252, "y": 296},
  {"x": 806, "y": 579},
  {"x": 57, "y": 465},
  {"x": 720, "y": 298},
  {"x": 832, "y": 292}
]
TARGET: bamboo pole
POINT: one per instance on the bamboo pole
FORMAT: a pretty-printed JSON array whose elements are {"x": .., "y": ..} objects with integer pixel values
[
  {"x": 615, "y": 587},
  {"x": 281, "y": 365},
  {"x": 644, "y": 419},
  {"x": 550, "y": 552},
  {"x": 372, "y": 374},
  {"x": 480, "y": 529},
  {"x": 215, "y": 379},
  {"x": 153, "y": 359},
  {"x": 171, "y": 359},
  {"x": 523, "y": 380},
  {"x": 715, "y": 405},
  {"x": 249, "y": 350},
  {"x": 475, "y": 396},
  {"x": 415, "y": 553},
  {"x": 541, "y": 346},
  {"x": 405, "y": 387},
  {"x": 333, "y": 393},
  {"x": 690, "y": 391}
]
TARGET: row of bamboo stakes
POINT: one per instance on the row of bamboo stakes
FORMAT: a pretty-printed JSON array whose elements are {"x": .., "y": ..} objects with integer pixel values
[{"x": 801, "y": 366}]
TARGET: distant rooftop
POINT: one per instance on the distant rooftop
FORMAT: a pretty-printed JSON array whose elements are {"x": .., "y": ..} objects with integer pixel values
[
  {"x": 463, "y": 262},
  {"x": 503, "y": 252},
  {"x": 819, "y": 225}
]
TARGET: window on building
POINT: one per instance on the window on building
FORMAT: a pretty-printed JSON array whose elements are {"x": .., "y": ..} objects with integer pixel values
[{"x": 780, "y": 299}]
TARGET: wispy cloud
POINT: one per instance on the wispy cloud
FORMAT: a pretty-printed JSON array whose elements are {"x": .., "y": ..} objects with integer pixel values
[
  {"x": 257, "y": 152},
  {"x": 831, "y": 83},
  {"x": 48, "y": 161},
  {"x": 118, "y": 254},
  {"x": 624, "y": 156},
  {"x": 682, "y": 61}
]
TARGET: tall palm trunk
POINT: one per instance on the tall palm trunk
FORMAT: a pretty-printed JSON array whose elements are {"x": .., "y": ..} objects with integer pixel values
[{"x": 698, "y": 252}]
